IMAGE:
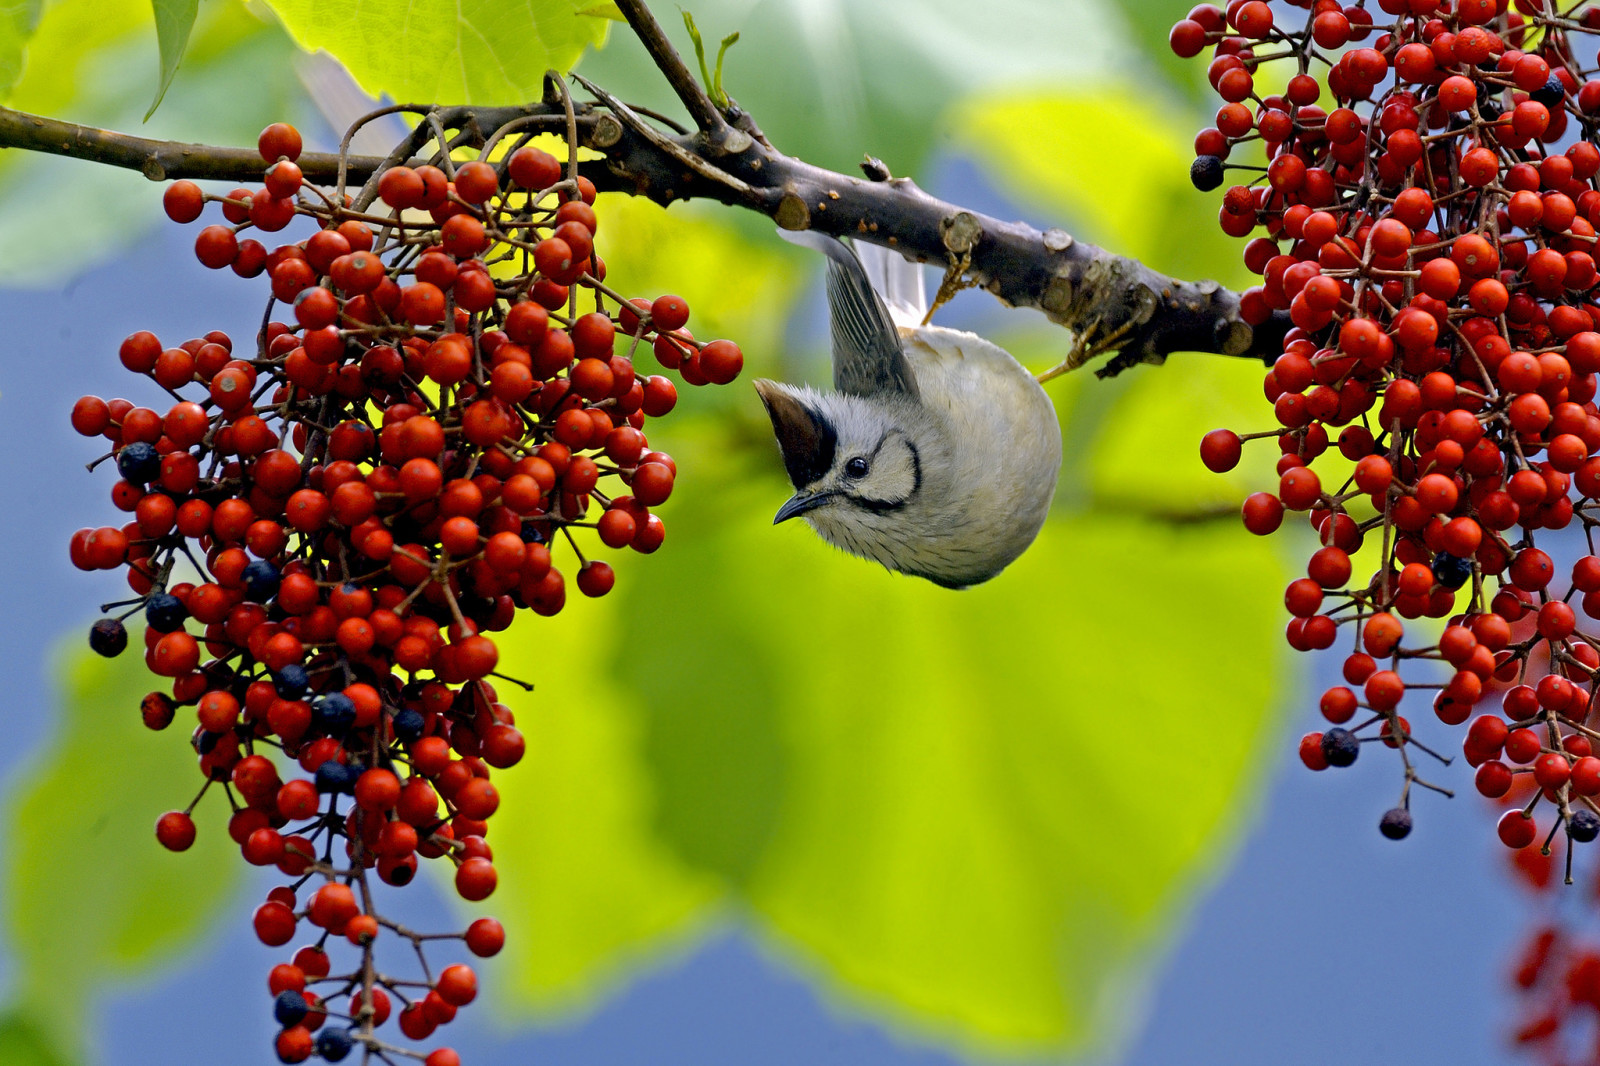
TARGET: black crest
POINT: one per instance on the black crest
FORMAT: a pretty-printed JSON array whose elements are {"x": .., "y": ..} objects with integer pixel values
[{"x": 806, "y": 438}]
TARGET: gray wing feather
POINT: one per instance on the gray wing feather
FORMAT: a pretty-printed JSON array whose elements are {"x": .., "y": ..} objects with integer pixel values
[{"x": 868, "y": 356}]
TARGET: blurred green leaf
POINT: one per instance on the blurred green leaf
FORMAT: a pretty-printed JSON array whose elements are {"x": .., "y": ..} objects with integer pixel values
[
  {"x": 18, "y": 19},
  {"x": 90, "y": 896},
  {"x": 70, "y": 38},
  {"x": 585, "y": 885},
  {"x": 174, "y": 20},
  {"x": 22, "y": 1043},
  {"x": 832, "y": 82},
  {"x": 738, "y": 278},
  {"x": 447, "y": 51},
  {"x": 1149, "y": 22},
  {"x": 1147, "y": 457},
  {"x": 1047, "y": 150},
  {"x": 87, "y": 63},
  {"x": 943, "y": 802}
]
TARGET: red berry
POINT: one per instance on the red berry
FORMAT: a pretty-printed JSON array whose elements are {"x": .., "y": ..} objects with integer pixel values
[
  {"x": 457, "y": 985},
  {"x": 486, "y": 936},
  {"x": 175, "y": 830},
  {"x": 1517, "y": 830},
  {"x": 279, "y": 141},
  {"x": 1493, "y": 779},
  {"x": 1311, "y": 752},
  {"x": 475, "y": 879},
  {"x": 1220, "y": 450},
  {"x": 669, "y": 313},
  {"x": 183, "y": 201}
]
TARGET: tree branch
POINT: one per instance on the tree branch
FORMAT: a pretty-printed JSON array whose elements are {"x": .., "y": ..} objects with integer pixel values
[
  {"x": 1110, "y": 302},
  {"x": 160, "y": 160}
]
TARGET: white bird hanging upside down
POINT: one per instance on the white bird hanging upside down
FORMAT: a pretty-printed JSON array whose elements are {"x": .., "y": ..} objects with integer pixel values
[{"x": 938, "y": 452}]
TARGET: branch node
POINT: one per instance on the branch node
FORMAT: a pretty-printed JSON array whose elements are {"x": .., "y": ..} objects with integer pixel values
[
  {"x": 1057, "y": 239},
  {"x": 792, "y": 213},
  {"x": 1058, "y": 298},
  {"x": 1233, "y": 336},
  {"x": 875, "y": 169},
  {"x": 607, "y": 132},
  {"x": 735, "y": 141},
  {"x": 961, "y": 232}
]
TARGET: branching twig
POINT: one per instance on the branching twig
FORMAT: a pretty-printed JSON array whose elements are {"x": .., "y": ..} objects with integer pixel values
[
  {"x": 1109, "y": 301},
  {"x": 672, "y": 67}
]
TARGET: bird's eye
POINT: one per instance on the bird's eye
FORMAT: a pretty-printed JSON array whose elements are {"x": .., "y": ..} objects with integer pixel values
[{"x": 856, "y": 467}]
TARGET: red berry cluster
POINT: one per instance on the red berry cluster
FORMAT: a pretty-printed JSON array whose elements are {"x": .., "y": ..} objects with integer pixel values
[
  {"x": 346, "y": 511},
  {"x": 1429, "y": 234}
]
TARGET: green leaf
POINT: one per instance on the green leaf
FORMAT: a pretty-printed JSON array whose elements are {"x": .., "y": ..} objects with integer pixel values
[
  {"x": 174, "y": 20},
  {"x": 22, "y": 1043},
  {"x": 834, "y": 83},
  {"x": 88, "y": 807},
  {"x": 1148, "y": 456},
  {"x": 447, "y": 51},
  {"x": 973, "y": 813},
  {"x": 18, "y": 20},
  {"x": 87, "y": 63}
]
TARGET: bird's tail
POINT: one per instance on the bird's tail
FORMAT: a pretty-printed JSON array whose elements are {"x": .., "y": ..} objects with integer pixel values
[{"x": 898, "y": 280}]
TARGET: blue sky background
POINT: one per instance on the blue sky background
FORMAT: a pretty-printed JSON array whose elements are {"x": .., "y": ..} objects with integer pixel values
[{"x": 1320, "y": 943}]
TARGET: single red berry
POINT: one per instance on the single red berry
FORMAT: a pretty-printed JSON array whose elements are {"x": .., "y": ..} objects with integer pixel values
[
  {"x": 1552, "y": 770},
  {"x": 1220, "y": 450},
  {"x": 669, "y": 313},
  {"x": 486, "y": 936},
  {"x": 476, "y": 879},
  {"x": 1311, "y": 753},
  {"x": 457, "y": 985},
  {"x": 1263, "y": 513},
  {"x": 279, "y": 141},
  {"x": 175, "y": 830},
  {"x": 274, "y": 924},
  {"x": 1517, "y": 830},
  {"x": 1493, "y": 779},
  {"x": 183, "y": 201},
  {"x": 1522, "y": 746}
]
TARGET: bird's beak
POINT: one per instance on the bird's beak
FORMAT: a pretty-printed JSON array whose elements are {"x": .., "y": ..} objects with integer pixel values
[{"x": 799, "y": 504}]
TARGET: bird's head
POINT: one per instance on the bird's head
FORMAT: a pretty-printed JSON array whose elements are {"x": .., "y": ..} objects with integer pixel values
[{"x": 856, "y": 464}]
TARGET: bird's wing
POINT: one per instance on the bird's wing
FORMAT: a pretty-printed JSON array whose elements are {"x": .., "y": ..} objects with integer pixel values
[
  {"x": 898, "y": 280},
  {"x": 868, "y": 357}
]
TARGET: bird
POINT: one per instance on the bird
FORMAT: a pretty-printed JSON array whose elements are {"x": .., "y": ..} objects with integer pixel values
[{"x": 936, "y": 454}]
